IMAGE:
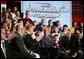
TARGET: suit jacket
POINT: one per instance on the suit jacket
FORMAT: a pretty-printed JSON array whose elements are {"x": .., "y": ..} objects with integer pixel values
[
  {"x": 74, "y": 44},
  {"x": 65, "y": 42},
  {"x": 8, "y": 49},
  {"x": 2, "y": 54},
  {"x": 29, "y": 42},
  {"x": 81, "y": 42},
  {"x": 18, "y": 49}
]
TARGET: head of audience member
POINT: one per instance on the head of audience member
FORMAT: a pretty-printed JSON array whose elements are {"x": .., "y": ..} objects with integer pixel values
[
  {"x": 19, "y": 28},
  {"x": 20, "y": 21},
  {"x": 17, "y": 13},
  {"x": 50, "y": 23},
  {"x": 47, "y": 30},
  {"x": 3, "y": 34},
  {"x": 58, "y": 23},
  {"x": 44, "y": 26},
  {"x": 6, "y": 14},
  {"x": 8, "y": 10},
  {"x": 15, "y": 9},
  {"x": 75, "y": 24},
  {"x": 39, "y": 35},
  {"x": 55, "y": 29},
  {"x": 70, "y": 31},
  {"x": 8, "y": 33},
  {"x": 4, "y": 25},
  {"x": 77, "y": 32},
  {"x": 65, "y": 27},
  {"x": 42, "y": 22},
  {"x": 3, "y": 9},
  {"x": 7, "y": 21},
  {"x": 27, "y": 14},
  {"x": 81, "y": 24},
  {"x": 29, "y": 28}
]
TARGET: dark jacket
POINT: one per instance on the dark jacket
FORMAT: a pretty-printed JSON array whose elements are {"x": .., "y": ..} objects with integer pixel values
[
  {"x": 65, "y": 42},
  {"x": 74, "y": 44},
  {"x": 29, "y": 42},
  {"x": 2, "y": 54},
  {"x": 18, "y": 49},
  {"x": 71, "y": 43}
]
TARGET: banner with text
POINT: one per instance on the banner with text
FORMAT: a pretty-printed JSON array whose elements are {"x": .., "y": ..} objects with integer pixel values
[{"x": 54, "y": 10}]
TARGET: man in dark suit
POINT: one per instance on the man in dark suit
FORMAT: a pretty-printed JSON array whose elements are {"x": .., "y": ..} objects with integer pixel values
[
  {"x": 70, "y": 43},
  {"x": 31, "y": 44},
  {"x": 18, "y": 48},
  {"x": 65, "y": 42},
  {"x": 74, "y": 45},
  {"x": 3, "y": 47}
]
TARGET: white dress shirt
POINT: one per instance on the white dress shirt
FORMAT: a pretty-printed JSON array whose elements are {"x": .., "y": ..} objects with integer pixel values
[{"x": 3, "y": 47}]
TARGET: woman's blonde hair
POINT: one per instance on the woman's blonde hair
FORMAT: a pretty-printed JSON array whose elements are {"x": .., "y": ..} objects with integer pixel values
[{"x": 70, "y": 30}]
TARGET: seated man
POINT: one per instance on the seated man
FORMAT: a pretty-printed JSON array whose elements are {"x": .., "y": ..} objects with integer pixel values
[
  {"x": 18, "y": 48},
  {"x": 30, "y": 43}
]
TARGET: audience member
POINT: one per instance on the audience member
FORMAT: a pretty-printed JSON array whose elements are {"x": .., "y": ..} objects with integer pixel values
[
  {"x": 18, "y": 48},
  {"x": 17, "y": 17},
  {"x": 24, "y": 38}
]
